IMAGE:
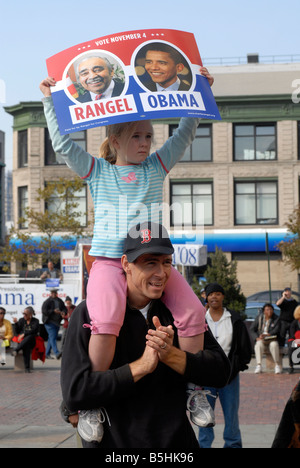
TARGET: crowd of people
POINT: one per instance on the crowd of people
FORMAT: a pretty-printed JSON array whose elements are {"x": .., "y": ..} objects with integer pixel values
[
  {"x": 272, "y": 332},
  {"x": 28, "y": 334},
  {"x": 214, "y": 371}
]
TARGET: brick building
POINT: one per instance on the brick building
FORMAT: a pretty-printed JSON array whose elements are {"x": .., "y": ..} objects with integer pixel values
[{"x": 244, "y": 170}]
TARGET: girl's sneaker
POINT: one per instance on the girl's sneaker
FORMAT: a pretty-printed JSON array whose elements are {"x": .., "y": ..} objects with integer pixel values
[
  {"x": 90, "y": 425},
  {"x": 202, "y": 413}
]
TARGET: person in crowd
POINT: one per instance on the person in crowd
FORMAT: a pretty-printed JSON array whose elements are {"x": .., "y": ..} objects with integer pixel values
[
  {"x": 294, "y": 340},
  {"x": 288, "y": 432},
  {"x": 143, "y": 394},
  {"x": 51, "y": 272},
  {"x": 265, "y": 331},
  {"x": 26, "y": 330},
  {"x": 6, "y": 334},
  {"x": 203, "y": 297},
  {"x": 232, "y": 335},
  {"x": 53, "y": 310},
  {"x": 287, "y": 305},
  {"x": 66, "y": 317}
]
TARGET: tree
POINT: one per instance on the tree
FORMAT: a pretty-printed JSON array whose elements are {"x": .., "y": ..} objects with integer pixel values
[
  {"x": 224, "y": 272},
  {"x": 290, "y": 248},
  {"x": 58, "y": 223}
]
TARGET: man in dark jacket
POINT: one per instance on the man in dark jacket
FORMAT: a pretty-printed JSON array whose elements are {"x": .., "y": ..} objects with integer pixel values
[
  {"x": 288, "y": 432},
  {"x": 52, "y": 310},
  {"x": 144, "y": 392},
  {"x": 231, "y": 333},
  {"x": 287, "y": 305}
]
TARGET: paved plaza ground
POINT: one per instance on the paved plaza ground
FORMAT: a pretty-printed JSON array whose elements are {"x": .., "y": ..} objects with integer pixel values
[{"x": 29, "y": 407}]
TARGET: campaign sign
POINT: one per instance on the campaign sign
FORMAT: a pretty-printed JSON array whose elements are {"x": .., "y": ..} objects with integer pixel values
[{"x": 130, "y": 76}]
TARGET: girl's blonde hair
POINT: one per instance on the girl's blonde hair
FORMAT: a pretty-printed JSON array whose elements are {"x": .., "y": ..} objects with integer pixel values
[
  {"x": 107, "y": 149},
  {"x": 297, "y": 313}
]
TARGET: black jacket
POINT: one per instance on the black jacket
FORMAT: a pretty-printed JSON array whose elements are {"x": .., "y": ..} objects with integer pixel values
[
  {"x": 257, "y": 326},
  {"x": 150, "y": 413},
  {"x": 48, "y": 314},
  {"x": 287, "y": 308},
  {"x": 288, "y": 432},
  {"x": 241, "y": 349},
  {"x": 118, "y": 89},
  {"x": 28, "y": 329},
  {"x": 294, "y": 328},
  {"x": 152, "y": 86}
]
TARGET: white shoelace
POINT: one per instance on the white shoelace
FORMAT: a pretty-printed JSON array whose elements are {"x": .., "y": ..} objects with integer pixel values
[{"x": 199, "y": 396}]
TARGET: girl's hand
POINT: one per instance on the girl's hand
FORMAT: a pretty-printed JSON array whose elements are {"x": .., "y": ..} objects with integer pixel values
[
  {"x": 207, "y": 75},
  {"x": 45, "y": 86}
]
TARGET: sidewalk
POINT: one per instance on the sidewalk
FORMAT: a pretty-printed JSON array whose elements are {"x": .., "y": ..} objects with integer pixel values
[{"x": 29, "y": 415}]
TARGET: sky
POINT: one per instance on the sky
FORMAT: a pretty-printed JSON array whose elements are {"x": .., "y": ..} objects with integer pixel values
[{"x": 32, "y": 31}]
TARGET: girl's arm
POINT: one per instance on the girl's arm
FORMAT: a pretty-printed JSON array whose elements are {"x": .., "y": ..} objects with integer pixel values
[{"x": 75, "y": 157}]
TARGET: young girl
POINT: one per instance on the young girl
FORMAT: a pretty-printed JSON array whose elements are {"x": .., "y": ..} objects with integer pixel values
[{"x": 123, "y": 182}]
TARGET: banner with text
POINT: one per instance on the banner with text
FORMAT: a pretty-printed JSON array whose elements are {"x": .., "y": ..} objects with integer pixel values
[
  {"x": 16, "y": 297},
  {"x": 130, "y": 76}
]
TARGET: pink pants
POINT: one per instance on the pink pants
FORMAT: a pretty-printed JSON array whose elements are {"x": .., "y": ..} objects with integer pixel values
[{"x": 107, "y": 293}]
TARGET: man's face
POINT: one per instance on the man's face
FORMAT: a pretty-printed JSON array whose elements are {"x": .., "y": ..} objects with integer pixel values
[
  {"x": 162, "y": 68},
  {"x": 94, "y": 75},
  {"x": 147, "y": 277},
  {"x": 215, "y": 300},
  {"x": 288, "y": 294}
]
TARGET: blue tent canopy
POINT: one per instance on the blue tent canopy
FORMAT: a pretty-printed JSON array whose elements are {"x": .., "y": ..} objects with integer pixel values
[{"x": 231, "y": 241}]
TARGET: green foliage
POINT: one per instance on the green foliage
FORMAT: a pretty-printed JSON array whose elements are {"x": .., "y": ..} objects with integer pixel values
[
  {"x": 225, "y": 273},
  {"x": 290, "y": 248},
  {"x": 60, "y": 216}
]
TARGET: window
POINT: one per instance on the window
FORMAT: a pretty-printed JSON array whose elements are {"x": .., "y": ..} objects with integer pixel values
[
  {"x": 50, "y": 155},
  {"x": 254, "y": 142},
  {"x": 201, "y": 148},
  {"x": 55, "y": 204},
  {"x": 51, "y": 158},
  {"x": 80, "y": 138},
  {"x": 256, "y": 202},
  {"x": 191, "y": 204},
  {"x": 22, "y": 149},
  {"x": 22, "y": 206}
]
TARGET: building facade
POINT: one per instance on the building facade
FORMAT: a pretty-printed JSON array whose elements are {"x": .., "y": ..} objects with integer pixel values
[
  {"x": 2, "y": 186},
  {"x": 239, "y": 180}
]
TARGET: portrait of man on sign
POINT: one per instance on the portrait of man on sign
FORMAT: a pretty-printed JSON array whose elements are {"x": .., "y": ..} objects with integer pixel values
[
  {"x": 161, "y": 67},
  {"x": 96, "y": 76}
]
